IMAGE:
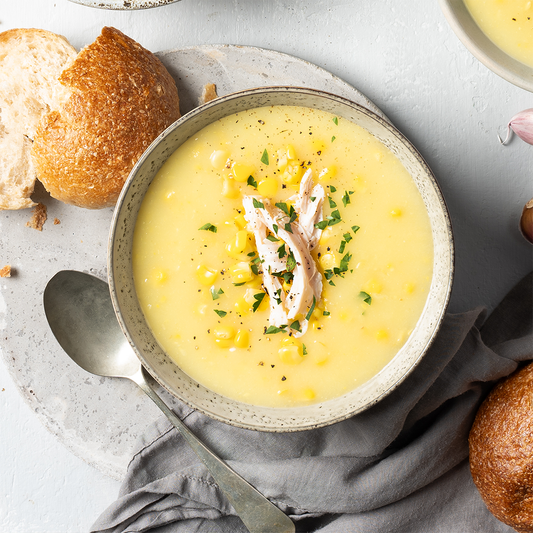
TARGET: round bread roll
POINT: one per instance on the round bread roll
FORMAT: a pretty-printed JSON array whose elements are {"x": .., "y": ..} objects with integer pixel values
[
  {"x": 501, "y": 450},
  {"x": 121, "y": 98}
]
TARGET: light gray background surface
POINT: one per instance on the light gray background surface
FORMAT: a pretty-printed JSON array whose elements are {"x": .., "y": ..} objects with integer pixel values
[{"x": 404, "y": 57}]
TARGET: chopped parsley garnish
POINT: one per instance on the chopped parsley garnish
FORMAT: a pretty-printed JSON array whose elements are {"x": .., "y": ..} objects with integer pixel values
[
  {"x": 258, "y": 204},
  {"x": 342, "y": 247},
  {"x": 332, "y": 202},
  {"x": 366, "y": 297},
  {"x": 239, "y": 284},
  {"x": 271, "y": 238},
  {"x": 311, "y": 309},
  {"x": 332, "y": 188},
  {"x": 347, "y": 237},
  {"x": 216, "y": 294},
  {"x": 264, "y": 157},
  {"x": 323, "y": 224},
  {"x": 209, "y": 227},
  {"x": 273, "y": 329},
  {"x": 333, "y": 138},
  {"x": 343, "y": 267},
  {"x": 281, "y": 251},
  {"x": 304, "y": 349},
  {"x": 258, "y": 299},
  {"x": 283, "y": 206},
  {"x": 220, "y": 313},
  {"x": 326, "y": 313},
  {"x": 336, "y": 121},
  {"x": 251, "y": 181},
  {"x": 291, "y": 262},
  {"x": 296, "y": 326},
  {"x": 355, "y": 229},
  {"x": 346, "y": 198},
  {"x": 334, "y": 218}
]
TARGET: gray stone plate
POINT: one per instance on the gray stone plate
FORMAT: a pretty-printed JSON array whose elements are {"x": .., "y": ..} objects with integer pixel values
[{"x": 99, "y": 419}]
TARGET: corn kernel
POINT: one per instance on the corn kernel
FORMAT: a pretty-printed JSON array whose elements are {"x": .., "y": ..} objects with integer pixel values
[
  {"x": 223, "y": 336},
  {"x": 242, "y": 307},
  {"x": 326, "y": 236},
  {"x": 229, "y": 190},
  {"x": 160, "y": 276},
  {"x": 206, "y": 276},
  {"x": 281, "y": 160},
  {"x": 409, "y": 288},
  {"x": 327, "y": 173},
  {"x": 291, "y": 351},
  {"x": 291, "y": 152},
  {"x": 287, "y": 285},
  {"x": 293, "y": 173},
  {"x": 255, "y": 283},
  {"x": 241, "y": 171},
  {"x": 241, "y": 272},
  {"x": 242, "y": 339},
  {"x": 238, "y": 244},
  {"x": 396, "y": 212},
  {"x": 382, "y": 334},
  {"x": 268, "y": 187},
  {"x": 319, "y": 146},
  {"x": 373, "y": 286},
  {"x": 240, "y": 221},
  {"x": 328, "y": 261},
  {"x": 308, "y": 394},
  {"x": 219, "y": 159}
]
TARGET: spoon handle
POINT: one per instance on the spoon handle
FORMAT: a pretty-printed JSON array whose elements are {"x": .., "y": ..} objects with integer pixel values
[{"x": 258, "y": 514}]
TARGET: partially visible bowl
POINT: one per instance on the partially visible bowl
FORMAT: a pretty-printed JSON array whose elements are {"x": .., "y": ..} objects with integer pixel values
[
  {"x": 168, "y": 374},
  {"x": 123, "y": 5},
  {"x": 479, "y": 45}
]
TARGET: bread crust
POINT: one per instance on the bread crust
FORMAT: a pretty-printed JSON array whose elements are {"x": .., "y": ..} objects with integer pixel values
[
  {"x": 31, "y": 61},
  {"x": 501, "y": 450},
  {"x": 122, "y": 98}
]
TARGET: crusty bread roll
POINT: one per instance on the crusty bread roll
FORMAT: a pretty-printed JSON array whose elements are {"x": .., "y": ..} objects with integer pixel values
[
  {"x": 31, "y": 60},
  {"x": 501, "y": 450},
  {"x": 121, "y": 99}
]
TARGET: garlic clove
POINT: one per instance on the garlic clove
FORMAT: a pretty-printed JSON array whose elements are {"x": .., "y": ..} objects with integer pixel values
[
  {"x": 522, "y": 125},
  {"x": 526, "y": 221}
]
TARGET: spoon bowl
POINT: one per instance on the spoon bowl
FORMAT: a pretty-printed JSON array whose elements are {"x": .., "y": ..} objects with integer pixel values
[{"x": 80, "y": 313}]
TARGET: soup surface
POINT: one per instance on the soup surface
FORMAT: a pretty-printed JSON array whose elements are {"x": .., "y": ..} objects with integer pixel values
[
  {"x": 508, "y": 24},
  {"x": 282, "y": 256}
]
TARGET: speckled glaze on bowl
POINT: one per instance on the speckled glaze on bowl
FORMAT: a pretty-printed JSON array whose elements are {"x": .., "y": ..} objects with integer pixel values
[
  {"x": 481, "y": 47},
  {"x": 168, "y": 374},
  {"x": 124, "y": 5}
]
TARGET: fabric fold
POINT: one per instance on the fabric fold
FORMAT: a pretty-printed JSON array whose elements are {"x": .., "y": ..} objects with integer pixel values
[{"x": 399, "y": 467}]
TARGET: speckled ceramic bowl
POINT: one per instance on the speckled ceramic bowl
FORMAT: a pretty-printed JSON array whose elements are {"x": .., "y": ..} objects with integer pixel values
[
  {"x": 481, "y": 47},
  {"x": 171, "y": 376},
  {"x": 123, "y": 5}
]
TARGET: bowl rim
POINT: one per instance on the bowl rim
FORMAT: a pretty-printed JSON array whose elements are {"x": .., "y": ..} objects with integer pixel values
[
  {"x": 438, "y": 318},
  {"x": 483, "y": 48}
]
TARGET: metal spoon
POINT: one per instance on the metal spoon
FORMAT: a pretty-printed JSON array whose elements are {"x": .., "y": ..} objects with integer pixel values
[{"x": 80, "y": 313}]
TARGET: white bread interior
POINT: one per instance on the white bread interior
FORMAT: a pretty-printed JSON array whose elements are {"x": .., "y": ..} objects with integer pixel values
[{"x": 31, "y": 61}]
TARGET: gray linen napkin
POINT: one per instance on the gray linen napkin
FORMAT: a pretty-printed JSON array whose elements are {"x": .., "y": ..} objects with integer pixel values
[{"x": 399, "y": 467}]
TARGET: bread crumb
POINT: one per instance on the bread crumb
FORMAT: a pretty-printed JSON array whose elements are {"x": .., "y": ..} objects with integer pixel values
[
  {"x": 5, "y": 272},
  {"x": 39, "y": 217},
  {"x": 209, "y": 93},
  {"x": 57, "y": 221}
]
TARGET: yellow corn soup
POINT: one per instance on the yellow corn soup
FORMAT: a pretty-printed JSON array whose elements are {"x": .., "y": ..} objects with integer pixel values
[
  {"x": 508, "y": 24},
  {"x": 198, "y": 275}
]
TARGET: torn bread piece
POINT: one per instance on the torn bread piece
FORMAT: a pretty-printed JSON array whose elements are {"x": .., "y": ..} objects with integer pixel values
[{"x": 31, "y": 61}]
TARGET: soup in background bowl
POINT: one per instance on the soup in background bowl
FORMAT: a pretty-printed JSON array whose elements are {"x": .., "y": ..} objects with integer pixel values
[
  {"x": 500, "y": 40},
  {"x": 138, "y": 272}
]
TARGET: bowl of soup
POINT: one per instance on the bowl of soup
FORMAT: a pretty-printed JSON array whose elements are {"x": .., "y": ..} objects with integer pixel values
[
  {"x": 499, "y": 34},
  {"x": 280, "y": 258}
]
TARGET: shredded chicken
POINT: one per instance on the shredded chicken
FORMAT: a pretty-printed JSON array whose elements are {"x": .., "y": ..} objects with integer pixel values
[{"x": 306, "y": 285}]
